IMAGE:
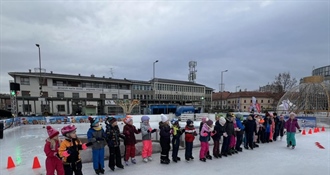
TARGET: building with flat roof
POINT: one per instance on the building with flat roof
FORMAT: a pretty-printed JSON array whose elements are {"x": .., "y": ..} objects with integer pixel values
[
  {"x": 64, "y": 94},
  {"x": 322, "y": 71}
]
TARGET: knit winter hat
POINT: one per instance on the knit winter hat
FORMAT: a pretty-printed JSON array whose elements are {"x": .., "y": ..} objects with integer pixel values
[
  {"x": 164, "y": 118},
  {"x": 204, "y": 119},
  {"x": 222, "y": 121},
  {"x": 209, "y": 123},
  {"x": 189, "y": 122},
  {"x": 293, "y": 114},
  {"x": 93, "y": 121},
  {"x": 127, "y": 120},
  {"x": 145, "y": 118},
  {"x": 111, "y": 120},
  {"x": 52, "y": 132}
]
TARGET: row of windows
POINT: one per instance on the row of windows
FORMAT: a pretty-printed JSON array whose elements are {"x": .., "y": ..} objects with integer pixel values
[
  {"x": 142, "y": 87},
  {"x": 238, "y": 101},
  {"x": 164, "y": 87},
  {"x": 325, "y": 71},
  {"x": 169, "y": 87},
  {"x": 27, "y": 108},
  {"x": 74, "y": 95}
]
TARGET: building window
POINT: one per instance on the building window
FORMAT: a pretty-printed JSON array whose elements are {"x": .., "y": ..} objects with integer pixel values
[
  {"x": 244, "y": 107},
  {"x": 61, "y": 108},
  {"x": 125, "y": 96},
  {"x": 102, "y": 96},
  {"x": 44, "y": 94},
  {"x": 114, "y": 96},
  {"x": 60, "y": 94},
  {"x": 44, "y": 81},
  {"x": 244, "y": 101},
  {"x": 26, "y": 94},
  {"x": 27, "y": 107},
  {"x": 268, "y": 101},
  {"x": 89, "y": 95},
  {"x": 262, "y": 101},
  {"x": 25, "y": 81},
  {"x": 75, "y": 95}
]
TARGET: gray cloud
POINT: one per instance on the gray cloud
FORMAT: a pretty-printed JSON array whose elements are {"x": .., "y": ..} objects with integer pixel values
[{"x": 253, "y": 40}]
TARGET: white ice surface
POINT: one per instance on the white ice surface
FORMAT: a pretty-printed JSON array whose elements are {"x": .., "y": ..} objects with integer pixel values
[{"x": 23, "y": 143}]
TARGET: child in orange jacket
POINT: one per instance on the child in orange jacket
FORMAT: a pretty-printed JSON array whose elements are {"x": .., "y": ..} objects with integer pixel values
[{"x": 69, "y": 150}]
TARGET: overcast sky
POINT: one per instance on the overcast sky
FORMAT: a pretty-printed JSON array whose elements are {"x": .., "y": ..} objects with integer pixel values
[{"x": 254, "y": 40}]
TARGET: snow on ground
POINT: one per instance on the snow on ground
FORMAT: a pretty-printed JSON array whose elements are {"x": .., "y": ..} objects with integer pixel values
[{"x": 23, "y": 143}]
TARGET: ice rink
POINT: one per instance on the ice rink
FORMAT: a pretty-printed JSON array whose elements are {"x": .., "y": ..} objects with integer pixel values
[{"x": 25, "y": 142}]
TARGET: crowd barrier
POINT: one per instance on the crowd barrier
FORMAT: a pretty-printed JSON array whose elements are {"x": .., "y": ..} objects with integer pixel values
[{"x": 43, "y": 120}]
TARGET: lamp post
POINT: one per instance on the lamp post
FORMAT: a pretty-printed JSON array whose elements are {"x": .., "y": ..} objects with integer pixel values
[
  {"x": 237, "y": 103},
  {"x": 153, "y": 80},
  {"x": 40, "y": 83},
  {"x": 222, "y": 86}
]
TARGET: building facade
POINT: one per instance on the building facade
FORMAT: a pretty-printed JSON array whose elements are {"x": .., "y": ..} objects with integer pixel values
[
  {"x": 64, "y": 94},
  {"x": 242, "y": 101},
  {"x": 69, "y": 94},
  {"x": 323, "y": 71}
]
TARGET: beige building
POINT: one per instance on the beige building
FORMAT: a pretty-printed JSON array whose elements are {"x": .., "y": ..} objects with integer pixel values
[{"x": 242, "y": 101}]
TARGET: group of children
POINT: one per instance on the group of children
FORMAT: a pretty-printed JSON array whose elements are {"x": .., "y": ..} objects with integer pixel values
[{"x": 64, "y": 158}]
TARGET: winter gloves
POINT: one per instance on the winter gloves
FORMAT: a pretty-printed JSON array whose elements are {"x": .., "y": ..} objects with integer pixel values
[{"x": 151, "y": 130}]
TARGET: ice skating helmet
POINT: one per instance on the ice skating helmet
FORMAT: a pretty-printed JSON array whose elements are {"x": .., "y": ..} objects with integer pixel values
[
  {"x": 174, "y": 121},
  {"x": 67, "y": 129},
  {"x": 145, "y": 118},
  {"x": 189, "y": 122}
]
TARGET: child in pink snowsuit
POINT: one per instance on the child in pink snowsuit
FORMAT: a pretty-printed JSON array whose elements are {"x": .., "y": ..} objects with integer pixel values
[
  {"x": 272, "y": 127},
  {"x": 53, "y": 160},
  {"x": 206, "y": 133},
  {"x": 146, "y": 132},
  {"x": 233, "y": 137}
]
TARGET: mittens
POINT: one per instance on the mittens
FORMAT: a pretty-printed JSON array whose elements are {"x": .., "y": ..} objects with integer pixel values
[
  {"x": 65, "y": 154},
  {"x": 213, "y": 133},
  {"x": 154, "y": 130},
  {"x": 89, "y": 144},
  {"x": 183, "y": 130},
  {"x": 299, "y": 130},
  {"x": 84, "y": 146},
  {"x": 139, "y": 130},
  {"x": 225, "y": 134}
]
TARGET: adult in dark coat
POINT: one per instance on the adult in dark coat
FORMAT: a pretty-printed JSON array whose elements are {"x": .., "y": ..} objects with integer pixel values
[
  {"x": 229, "y": 131},
  {"x": 250, "y": 130}
]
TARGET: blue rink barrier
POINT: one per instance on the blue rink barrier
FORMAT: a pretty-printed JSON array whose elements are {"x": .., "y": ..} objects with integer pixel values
[{"x": 42, "y": 120}]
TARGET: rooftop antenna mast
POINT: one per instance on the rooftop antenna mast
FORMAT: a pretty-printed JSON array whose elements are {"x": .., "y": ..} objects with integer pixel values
[
  {"x": 192, "y": 71},
  {"x": 111, "y": 72}
]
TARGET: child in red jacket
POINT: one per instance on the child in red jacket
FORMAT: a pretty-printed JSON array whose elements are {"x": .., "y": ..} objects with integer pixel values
[
  {"x": 53, "y": 160},
  {"x": 130, "y": 140},
  {"x": 190, "y": 133}
]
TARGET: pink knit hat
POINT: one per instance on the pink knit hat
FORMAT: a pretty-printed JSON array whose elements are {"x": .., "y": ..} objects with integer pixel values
[{"x": 52, "y": 132}]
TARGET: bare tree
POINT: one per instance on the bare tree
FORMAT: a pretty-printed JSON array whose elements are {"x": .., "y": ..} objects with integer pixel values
[{"x": 283, "y": 82}]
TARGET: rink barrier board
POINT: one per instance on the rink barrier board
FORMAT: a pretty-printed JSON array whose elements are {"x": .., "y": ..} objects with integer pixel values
[{"x": 307, "y": 122}]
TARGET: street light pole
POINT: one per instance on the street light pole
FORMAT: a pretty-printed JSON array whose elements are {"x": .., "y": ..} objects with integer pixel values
[
  {"x": 40, "y": 83},
  {"x": 222, "y": 86},
  {"x": 237, "y": 103},
  {"x": 153, "y": 80}
]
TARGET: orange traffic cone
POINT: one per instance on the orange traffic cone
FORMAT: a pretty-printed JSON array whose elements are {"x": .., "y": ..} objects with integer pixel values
[
  {"x": 310, "y": 131},
  {"x": 315, "y": 130},
  {"x": 318, "y": 129},
  {"x": 36, "y": 163},
  {"x": 303, "y": 132},
  {"x": 323, "y": 129},
  {"x": 10, "y": 163}
]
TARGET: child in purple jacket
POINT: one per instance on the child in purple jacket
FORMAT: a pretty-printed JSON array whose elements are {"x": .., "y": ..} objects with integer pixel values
[{"x": 290, "y": 127}]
